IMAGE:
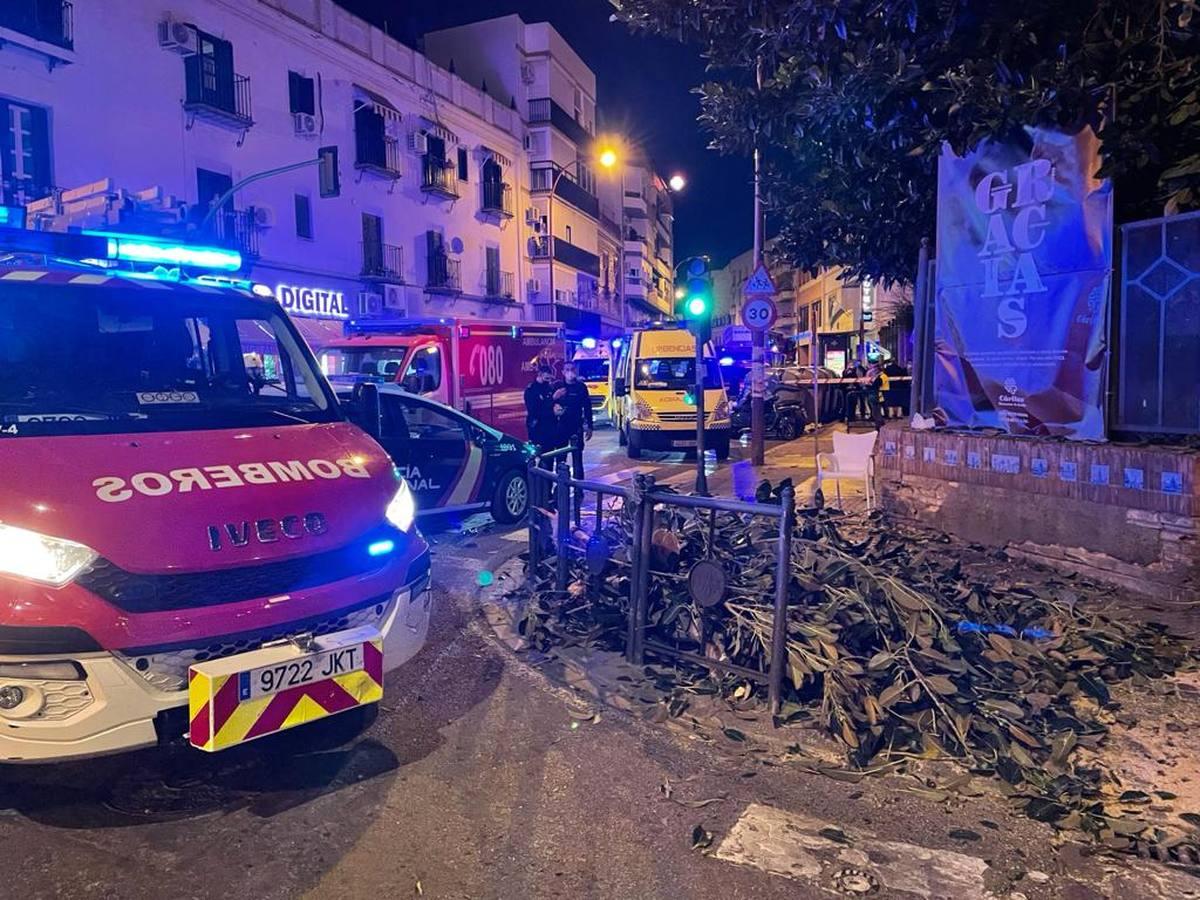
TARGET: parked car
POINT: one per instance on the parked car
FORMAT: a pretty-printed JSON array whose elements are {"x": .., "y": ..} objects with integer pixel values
[{"x": 452, "y": 461}]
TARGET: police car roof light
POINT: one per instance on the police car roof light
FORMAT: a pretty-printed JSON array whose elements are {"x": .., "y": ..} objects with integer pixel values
[{"x": 138, "y": 249}]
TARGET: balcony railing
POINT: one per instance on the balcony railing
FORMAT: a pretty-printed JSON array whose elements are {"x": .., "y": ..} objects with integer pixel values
[
  {"x": 438, "y": 178},
  {"x": 499, "y": 285},
  {"x": 383, "y": 261},
  {"x": 445, "y": 275},
  {"x": 497, "y": 198},
  {"x": 380, "y": 156},
  {"x": 541, "y": 179},
  {"x": 544, "y": 111},
  {"x": 237, "y": 228},
  {"x": 216, "y": 93},
  {"x": 49, "y": 21},
  {"x": 539, "y": 247}
]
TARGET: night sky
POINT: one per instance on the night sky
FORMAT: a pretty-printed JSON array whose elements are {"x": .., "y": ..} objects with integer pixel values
[{"x": 644, "y": 93}]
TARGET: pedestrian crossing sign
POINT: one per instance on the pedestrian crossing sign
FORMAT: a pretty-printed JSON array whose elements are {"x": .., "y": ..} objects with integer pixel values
[{"x": 759, "y": 283}]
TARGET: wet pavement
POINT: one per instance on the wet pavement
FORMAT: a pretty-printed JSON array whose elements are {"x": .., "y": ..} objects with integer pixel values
[{"x": 479, "y": 779}]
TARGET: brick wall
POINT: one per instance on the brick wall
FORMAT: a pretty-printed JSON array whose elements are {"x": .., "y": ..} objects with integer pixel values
[{"x": 1129, "y": 515}]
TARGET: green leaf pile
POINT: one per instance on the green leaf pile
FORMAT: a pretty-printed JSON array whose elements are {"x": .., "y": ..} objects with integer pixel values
[{"x": 877, "y": 651}]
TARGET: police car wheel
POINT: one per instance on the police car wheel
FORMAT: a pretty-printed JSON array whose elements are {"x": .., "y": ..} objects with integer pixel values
[{"x": 511, "y": 499}]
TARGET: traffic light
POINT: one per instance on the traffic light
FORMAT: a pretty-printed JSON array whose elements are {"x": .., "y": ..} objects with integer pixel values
[
  {"x": 328, "y": 179},
  {"x": 698, "y": 299}
]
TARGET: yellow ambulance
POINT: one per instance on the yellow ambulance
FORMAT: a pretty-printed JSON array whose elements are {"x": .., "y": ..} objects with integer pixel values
[{"x": 654, "y": 394}]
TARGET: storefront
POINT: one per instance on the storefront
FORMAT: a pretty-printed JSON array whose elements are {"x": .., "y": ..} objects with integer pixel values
[{"x": 318, "y": 305}]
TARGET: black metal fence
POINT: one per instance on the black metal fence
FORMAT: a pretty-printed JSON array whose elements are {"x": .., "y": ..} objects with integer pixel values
[{"x": 558, "y": 509}]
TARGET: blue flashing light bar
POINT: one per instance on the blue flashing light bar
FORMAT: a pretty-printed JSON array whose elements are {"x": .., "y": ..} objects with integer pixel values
[
  {"x": 616, "y": 343},
  {"x": 588, "y": 343},
  {"x": 12, "y": 217},
  {"x": 381, "y": 548},
  {"x": 138, "y": 249}
]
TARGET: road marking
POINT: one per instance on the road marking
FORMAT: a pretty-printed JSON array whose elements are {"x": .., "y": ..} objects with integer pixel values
[{"x": 791, "y": 845}]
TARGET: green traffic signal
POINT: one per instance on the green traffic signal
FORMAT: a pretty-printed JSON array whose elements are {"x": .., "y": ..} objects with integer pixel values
[{"x": 697, "y": 306}]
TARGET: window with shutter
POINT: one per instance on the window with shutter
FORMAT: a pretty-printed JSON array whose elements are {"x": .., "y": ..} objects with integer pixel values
[
  {"x": 301, "y": 94},
  {"x": 462, "y": 164},
  {"x": 24, "y": 153}
]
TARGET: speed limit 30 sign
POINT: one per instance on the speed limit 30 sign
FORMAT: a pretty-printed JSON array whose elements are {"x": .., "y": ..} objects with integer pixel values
[{"x": 759, "y": 312}]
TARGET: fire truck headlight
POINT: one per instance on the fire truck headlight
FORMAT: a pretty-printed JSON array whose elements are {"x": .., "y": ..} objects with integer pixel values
[
  {"x": 402, "y": 511},
  {"x": 38, "y": 557}
]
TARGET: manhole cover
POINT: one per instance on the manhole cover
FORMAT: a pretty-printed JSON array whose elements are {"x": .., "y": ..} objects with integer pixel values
[{"x": 855, "y": 882}]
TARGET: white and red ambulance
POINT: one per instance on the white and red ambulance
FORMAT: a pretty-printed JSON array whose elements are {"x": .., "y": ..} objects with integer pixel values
[
  {"x": 479, "y": 367},
  {"x": 194, "y": 538}
]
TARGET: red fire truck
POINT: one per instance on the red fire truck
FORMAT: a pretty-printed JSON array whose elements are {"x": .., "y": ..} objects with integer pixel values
[
  {"x": 481, "y": 368},
  {"x": 194, "y": 538}
]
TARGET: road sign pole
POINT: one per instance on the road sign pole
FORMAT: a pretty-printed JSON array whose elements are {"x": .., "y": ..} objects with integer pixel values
[{"x": 757, "y": 413}]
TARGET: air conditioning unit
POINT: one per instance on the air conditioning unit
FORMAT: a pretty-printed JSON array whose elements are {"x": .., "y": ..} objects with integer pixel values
[
  {"x": 305, "y": 124},
  {"x": 264, "y": 216},
  {"x": 527, "y": 73},
  {"x": 370, "y": 304},
  {"x": 393, "y": 299},
  {"x": 178, "y": 37},
  {"x": 418, "y": 142},
  {"x": 534, "y": 287},
  {"x": 533, "y": 216}
]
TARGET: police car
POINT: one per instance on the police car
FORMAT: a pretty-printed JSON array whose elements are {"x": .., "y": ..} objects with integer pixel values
[{"x": 453, "y": 462}]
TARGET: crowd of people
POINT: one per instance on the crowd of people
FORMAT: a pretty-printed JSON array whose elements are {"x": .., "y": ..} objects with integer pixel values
[{"x": 869, "y": 392}]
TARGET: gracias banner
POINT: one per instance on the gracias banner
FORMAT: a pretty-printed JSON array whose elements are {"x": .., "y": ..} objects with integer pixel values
[{"x": 1024, "y": 260}]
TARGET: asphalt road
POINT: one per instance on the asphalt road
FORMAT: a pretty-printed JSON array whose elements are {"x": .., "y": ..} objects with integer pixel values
[{"x": 474, "y": 781}]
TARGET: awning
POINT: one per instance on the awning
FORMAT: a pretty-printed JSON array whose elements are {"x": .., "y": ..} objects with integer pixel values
[
  {"x": 485, "y": 153},
  {"x": 381, "y": 104},
  {"x": 438, "y": 130}
]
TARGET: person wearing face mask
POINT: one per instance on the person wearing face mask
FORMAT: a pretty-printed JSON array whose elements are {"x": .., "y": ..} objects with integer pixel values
[
  {"x": 576, "y": 422},
  {"x": 538, "y": 415}
]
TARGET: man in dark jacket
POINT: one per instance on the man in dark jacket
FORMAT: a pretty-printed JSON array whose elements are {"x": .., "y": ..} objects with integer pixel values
[
  {"x": 576, "y": 422},
  {"x": 538, "y": 415}
]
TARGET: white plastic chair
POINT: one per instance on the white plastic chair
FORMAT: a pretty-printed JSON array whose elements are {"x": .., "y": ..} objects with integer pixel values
[{"x": 851, "y": 458}]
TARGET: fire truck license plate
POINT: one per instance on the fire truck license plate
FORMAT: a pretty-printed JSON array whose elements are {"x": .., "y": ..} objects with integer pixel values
[{"x": 250, "y": 695}]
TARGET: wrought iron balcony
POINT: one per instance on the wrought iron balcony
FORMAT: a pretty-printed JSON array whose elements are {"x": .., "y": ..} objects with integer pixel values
[
  {"x": 445, "y": 275},
  {"x": 49, "y": 21},
  {"x": 543, "y": 177},
  {"x": 437, "y": 177},
  {"x": 499, "y": 285},
  {"x": 497, "y": 198},
  {"x": 215, "y": 93},
  {"x": 384, "y": 262},
  {"x": 237, "y": 228},
  {"x": 380, "y": 156}
]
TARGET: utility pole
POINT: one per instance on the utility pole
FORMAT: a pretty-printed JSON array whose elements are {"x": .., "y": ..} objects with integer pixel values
[{"x": 757, "y": 424}]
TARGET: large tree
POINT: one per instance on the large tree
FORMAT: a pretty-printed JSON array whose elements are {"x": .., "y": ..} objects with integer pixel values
[{"x": 859, "y": 96}]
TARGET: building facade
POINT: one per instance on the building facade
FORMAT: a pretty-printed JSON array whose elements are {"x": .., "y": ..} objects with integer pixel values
[{"x": 116, "y": 114}]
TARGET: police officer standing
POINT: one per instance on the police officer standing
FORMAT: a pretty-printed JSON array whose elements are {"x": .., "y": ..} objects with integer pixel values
[
  {"x": 575, "y": 424},
  {"x": 539, "y": 422}
]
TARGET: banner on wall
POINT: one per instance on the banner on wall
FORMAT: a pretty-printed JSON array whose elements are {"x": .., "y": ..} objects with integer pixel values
[{"x": 1024, "y": 265}]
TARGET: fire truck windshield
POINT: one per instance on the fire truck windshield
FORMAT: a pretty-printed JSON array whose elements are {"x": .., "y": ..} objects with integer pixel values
[{"x": 90, "y": 360}]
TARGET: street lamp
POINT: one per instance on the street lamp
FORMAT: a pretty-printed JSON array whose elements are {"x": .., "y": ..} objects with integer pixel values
[
  {"x": 677, "y": 183},
  {"x": 607, "y": 158}
]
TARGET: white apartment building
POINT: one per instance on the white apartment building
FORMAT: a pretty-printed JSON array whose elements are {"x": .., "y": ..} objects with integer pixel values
[
  {"x": 134, "y": 116},
  {"x": 648, "y": 229},
  {"x": 580, "y": 264}
]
